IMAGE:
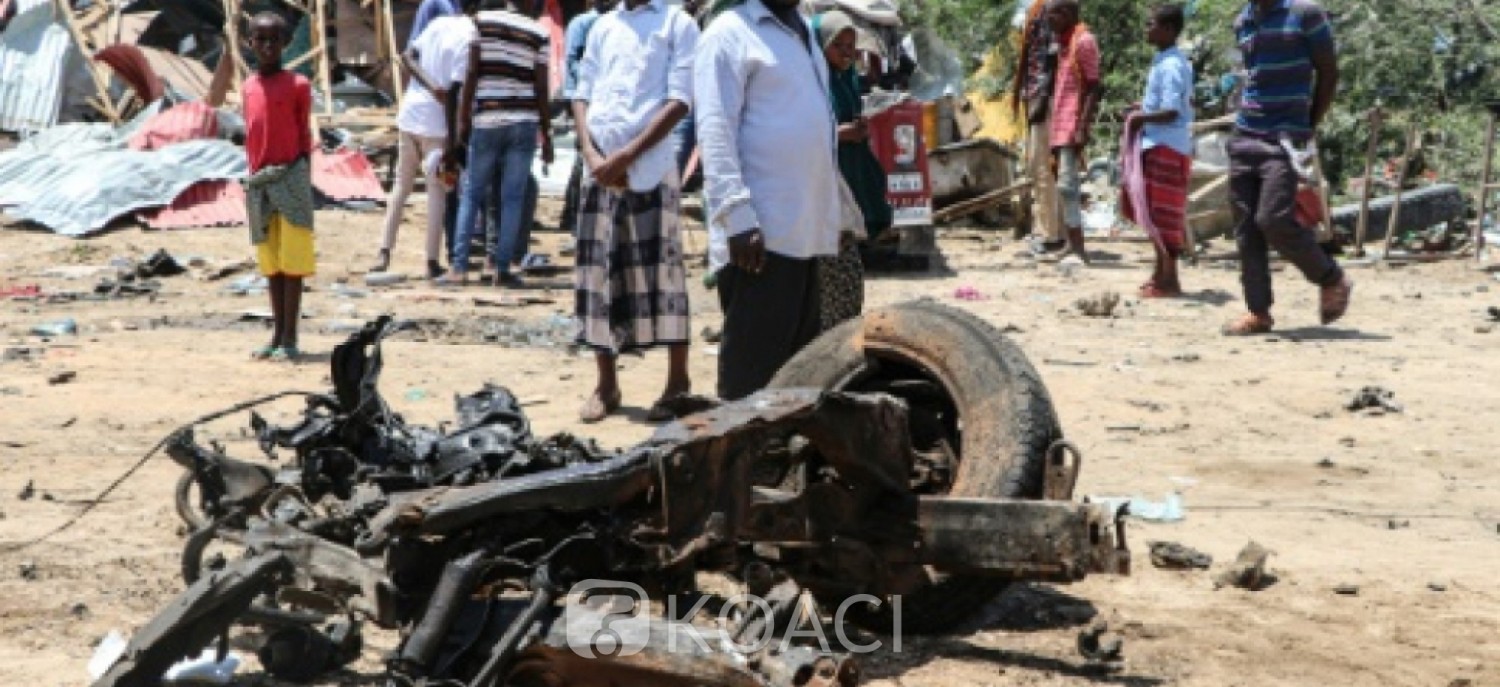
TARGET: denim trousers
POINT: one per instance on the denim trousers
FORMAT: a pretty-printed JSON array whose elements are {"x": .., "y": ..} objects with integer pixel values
[{"x": 497, "y": 176}]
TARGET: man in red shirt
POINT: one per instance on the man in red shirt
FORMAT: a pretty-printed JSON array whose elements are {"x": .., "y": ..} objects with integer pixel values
[{"x": 279, "y": 198}]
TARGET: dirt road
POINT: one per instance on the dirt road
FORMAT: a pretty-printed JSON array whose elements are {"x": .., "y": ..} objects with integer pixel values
[{"x": 1404, "y": 506}]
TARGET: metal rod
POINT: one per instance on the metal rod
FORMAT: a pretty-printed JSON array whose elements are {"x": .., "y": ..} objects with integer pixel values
[
  {"x": 1364, "y": 194},
  {"x": 1395, "y": 219}
]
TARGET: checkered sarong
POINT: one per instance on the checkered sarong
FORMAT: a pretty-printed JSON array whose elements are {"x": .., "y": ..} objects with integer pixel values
[{"x": 630, "y": 282}]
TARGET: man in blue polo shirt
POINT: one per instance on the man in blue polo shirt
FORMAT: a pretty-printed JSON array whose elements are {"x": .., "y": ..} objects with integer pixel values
[{"x": 1292, "y": 72}]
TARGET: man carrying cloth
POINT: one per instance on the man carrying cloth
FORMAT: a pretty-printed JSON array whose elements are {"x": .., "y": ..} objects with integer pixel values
[
  {"x": 1157, "y": 152},
  {"x": 634, "y": 84},
  {"x": 1292, "y": 74}
]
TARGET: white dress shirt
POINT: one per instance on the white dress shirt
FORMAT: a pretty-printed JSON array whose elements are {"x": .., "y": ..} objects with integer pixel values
[
  {"x": 767, "y": 134},
  {"x": 443, "y": 52},
  {"x": 635, "y": 61}
]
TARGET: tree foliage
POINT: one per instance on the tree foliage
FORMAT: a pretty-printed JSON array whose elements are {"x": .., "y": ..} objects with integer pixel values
[{"x": 1435, "y": 61}]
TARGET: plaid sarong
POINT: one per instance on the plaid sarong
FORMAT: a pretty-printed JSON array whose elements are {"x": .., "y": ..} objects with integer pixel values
[
  {"x": 630, "y": 283},
  {"x": 1164, "y": 176}
]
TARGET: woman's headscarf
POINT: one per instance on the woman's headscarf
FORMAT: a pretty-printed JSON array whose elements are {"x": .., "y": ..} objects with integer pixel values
[{"x": 830, "y": 24}]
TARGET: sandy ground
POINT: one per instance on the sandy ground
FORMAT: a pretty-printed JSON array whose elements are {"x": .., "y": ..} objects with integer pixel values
[{"x": 1404, "y": 506}]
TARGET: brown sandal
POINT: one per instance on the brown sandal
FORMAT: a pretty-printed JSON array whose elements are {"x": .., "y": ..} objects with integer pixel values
[
  {"x": 1151, "y": 290},
  {"x": 1249, "y": 325},
  {"x": 1334, "y": 300},
  {"x": 598, "y": 408}
]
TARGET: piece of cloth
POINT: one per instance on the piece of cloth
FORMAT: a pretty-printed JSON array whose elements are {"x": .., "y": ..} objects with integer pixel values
[
  {"x": 768, "y": 318},
  {"x": 857, "y": 163},
  {"x": 1078, "y": 68},
  {"x": 288, "y": 250},
  {"x": 1263, "y": 188},
  {"x": 761, "y": 88},
  {"x": 278, "y": 119},
  {"x": 512, "y": 48},
  {"x": 573, "y": 197},
  {"x": 415, "y": 154},
  {"x": 1070, "y": 187},
  {"x": 1169, "y": 86},
  {"x": 841, "y": 283},
  {"x": 1038, "y": 67},
  {"x": 1278, "y": 47},
  {"x": 498, "y": 157},
  {"x": 1044, "y": 200},
  {"x": 637, "y": 60},
  {"x": 630, "y": 283},
  {"x": 429, "y": 11},
  {"x": 1156, "y": 191},
  {"x": 575, "y": 42},
  {"x": 830, "y": 24},
  {"x": 443, "y": 53},
  {"x": 281, "y": 189}
]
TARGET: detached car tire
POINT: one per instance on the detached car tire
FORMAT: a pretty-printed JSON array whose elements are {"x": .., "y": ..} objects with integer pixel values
[{"x": 999, "y": 421}]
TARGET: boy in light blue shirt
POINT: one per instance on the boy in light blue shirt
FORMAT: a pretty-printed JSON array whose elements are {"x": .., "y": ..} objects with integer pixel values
[{"x": 1158, "y": 137}]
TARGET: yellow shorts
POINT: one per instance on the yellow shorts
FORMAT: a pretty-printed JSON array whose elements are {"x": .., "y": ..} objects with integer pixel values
[{"x": 288, "y": 250}]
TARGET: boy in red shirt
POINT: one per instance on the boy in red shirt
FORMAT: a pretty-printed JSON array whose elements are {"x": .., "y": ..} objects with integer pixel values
[{"x": 279, "y": 198}]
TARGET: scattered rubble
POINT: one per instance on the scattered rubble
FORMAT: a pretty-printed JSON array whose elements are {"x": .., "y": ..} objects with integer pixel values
[
  {"x": 1346, "y": 589},
  {"x": 1248, "y": 571},
  {"x": 1100, "y": 305},
  {"x": 1096, "y": 643},
  {"x": 1375, "y": 398},
  {"x": 1174, "y": 556},
  {"x": 61, "y": 377},
  {"x": 27, "y": 492}
]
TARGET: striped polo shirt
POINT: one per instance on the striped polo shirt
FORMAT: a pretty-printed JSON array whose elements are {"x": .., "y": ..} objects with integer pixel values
[
  {"x": 1278, "y": 46},
  {"x": 512, "y": 48}
]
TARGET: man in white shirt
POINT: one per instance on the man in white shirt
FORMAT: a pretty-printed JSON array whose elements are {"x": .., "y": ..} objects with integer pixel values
[
  {"x": 438, "y": 60},
  {"x": 766, "y": 132},
  {"x": 634, "y": 84}
]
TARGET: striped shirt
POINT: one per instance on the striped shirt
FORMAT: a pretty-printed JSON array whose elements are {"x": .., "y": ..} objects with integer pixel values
[
  {"x": 1077, "y": 70},
  {"x": 1278, "y": 47},
  {"x": 512, "y": 48}
]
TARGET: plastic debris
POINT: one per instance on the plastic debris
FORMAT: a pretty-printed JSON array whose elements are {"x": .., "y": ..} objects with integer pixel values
[
  {"x": 109, "y": 651},
  {"x": 1171, "y": 555},
  {"x": 384, "y": 278},
  {"x": 59, "y": 328},
  {"x": 206, "y": 669},
  {"x": 1374, "y": 397},
  {"x": 969, "y": 293}
]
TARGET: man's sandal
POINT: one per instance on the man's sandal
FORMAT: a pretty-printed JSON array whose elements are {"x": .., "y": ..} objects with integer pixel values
[
  {"x": 1333, "y": 301},
  {"x": 1249, "y": 325},
  {"x": 264, "y": 353},
  {"x": 598, "y": 408}
]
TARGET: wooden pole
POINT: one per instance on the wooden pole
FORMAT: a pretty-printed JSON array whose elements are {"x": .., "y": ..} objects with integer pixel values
[
  {"x": 1395, "y": 221},
  {"x": 1325, "y": 228},
  {"x": 1364, "y": 194},
  {"x": 325, "y": 60},
  {"x": 1486, "y": 186},
  {"x": 398, "y": 83}
]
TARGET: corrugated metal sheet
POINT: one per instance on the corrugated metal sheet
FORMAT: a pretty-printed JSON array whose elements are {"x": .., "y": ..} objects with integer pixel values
[
  {"x": 204, "y": 204},
  {"x": 185, "y": 122},
  {"x": 345, "y": 175},
  {"x": 36, "y": 54},
  {"x": 79, "y": 194}
]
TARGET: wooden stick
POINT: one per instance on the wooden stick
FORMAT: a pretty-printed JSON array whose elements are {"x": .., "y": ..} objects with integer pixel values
[
  {"x": 315, "y": 52},
  {"x": 325, "y": 63},
  {"x": 1325, "y": 228},
  {"x": 1364, "y": 200},
  {"x": 1395, "y": 219},
  {"x": 978, "y": 203},
  {"x": 1484, "y": 186},
  {"x": 392, "y": 55}
]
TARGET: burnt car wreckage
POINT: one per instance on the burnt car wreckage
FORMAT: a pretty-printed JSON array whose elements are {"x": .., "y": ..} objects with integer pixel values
[{"x": 912, "y": 452}]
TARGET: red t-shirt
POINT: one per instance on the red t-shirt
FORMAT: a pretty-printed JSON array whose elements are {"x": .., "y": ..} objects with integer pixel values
[{"x": 278, "y": 111}]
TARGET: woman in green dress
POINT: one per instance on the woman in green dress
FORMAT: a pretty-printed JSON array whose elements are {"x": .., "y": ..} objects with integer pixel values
[{"x": 842, "y": 277}]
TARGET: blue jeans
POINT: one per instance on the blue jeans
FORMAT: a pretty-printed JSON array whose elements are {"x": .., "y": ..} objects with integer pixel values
[{"x": 499, "y": 156}]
